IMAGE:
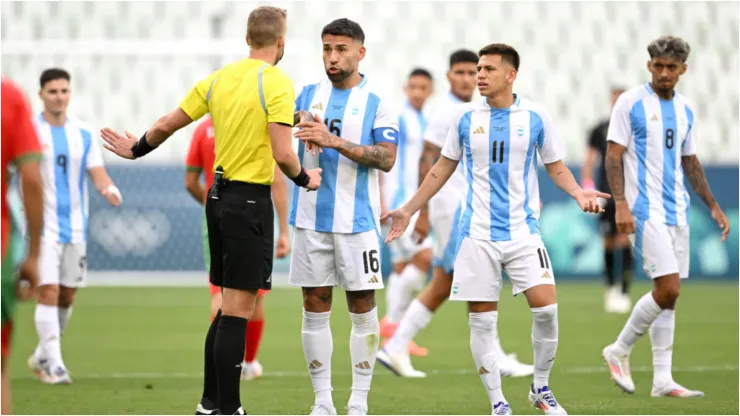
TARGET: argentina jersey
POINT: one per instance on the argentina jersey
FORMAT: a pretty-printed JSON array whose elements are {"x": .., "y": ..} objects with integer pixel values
[
  {"x": 401, "y": 182},
  {"x": 656, "y": 133},
  {"x": 498, "y": 149},
  {"x": 348, "y": 200},
  {"x": 69, "y": 152}
]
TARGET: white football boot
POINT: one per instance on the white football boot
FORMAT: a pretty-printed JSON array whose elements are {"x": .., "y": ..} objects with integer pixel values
[
  {"x": 356, "y": 409},
  {"x": 673, "y": 389},
  {"x": 501, "y": 408},
  {"x": 619, "y": 367},
  {"x": 509, "y": 366},
  {"x": 323, "y": 409},
  {"x": 399, "y": 364},
  {"x": 544, "y": 399},
  {"x": 251, "y": 371}
]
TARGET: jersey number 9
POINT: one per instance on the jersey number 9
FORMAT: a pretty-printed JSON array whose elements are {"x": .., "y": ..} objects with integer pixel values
[{"x": 62, "y": 163}]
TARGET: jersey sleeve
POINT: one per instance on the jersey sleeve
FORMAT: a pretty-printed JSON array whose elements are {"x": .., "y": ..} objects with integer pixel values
[
  {"x": 194, "y": 161},
  {"x": 549, "y": 142},
  {"x": 385, "y": 126},
  {"x": 439, "y": 125},
  {"x": 25, "y": 145},
  {"x": 277, "y": 96},
  {"x": 95, "y": 157},
  {"x": 195, "y": 104},
  {"x": 452, "y": 147},
  {"x": 687, "y": 148},
  {"x": 620, "y": 130}
]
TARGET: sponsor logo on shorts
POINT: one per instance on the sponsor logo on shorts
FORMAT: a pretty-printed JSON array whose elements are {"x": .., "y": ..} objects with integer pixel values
[
  {"x": 373, "y": 279},
  {"x": 546, "y": 275},
  {"x": 455, "y": 288}
]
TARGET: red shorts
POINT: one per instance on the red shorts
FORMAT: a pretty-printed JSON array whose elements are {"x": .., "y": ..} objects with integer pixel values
[
  {"x": 6, "y": 333},
  {"x": 215, "y": 290}
]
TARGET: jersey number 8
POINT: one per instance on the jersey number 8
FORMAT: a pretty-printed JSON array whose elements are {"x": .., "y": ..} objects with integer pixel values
[{"x": 669, "y": 138}]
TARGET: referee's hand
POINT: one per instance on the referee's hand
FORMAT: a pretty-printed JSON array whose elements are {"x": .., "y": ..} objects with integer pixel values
[
  {"x": 314, "y": 181},
  {"x": 119, "y": 144}
]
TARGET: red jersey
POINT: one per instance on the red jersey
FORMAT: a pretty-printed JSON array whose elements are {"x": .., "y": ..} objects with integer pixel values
[
  {"x": 19, "y": 142},
  {"x": 202, "y": 152}
]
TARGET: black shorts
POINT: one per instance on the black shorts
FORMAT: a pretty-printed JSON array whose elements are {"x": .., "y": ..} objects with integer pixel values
[
  {"x": 240, "y": 236},
  {"x": 608, "y": 219}
]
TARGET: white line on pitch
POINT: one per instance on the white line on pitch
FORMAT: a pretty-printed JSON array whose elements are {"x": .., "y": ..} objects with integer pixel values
[{"x": 380, "y": 372}]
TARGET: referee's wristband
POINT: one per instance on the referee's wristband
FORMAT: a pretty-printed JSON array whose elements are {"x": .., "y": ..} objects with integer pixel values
[
  {"x": 302, "y": 179},
  {"x": 141, "y": 148}
]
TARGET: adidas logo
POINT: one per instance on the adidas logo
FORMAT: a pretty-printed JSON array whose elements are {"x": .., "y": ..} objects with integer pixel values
[
  {"x": 483, "y": 370},
  {"x": 315, "y": 364},
  {"x": 317, "y": 106},
  {"x": 373, "y": 279},
  {"x": 546, "y": 275},
  {"x": 363, "y": 365},
  {"x": 480, "y": 130},
  {"x": 654, "y": 118}
]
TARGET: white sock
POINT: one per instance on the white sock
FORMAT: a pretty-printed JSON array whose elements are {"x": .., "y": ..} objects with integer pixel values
[
  {"x": 417, "y": 317},
  {"x": 47, "y": 328},
  {"x": 401, "y": 292},
  {"x": 661, "y": 336},
  {"x": 318, "y": 347},
  {"x": 497, "y": 348},
  {"x": 545, "y": 342},
  {"x": 64, "y": 315},
  {"x": 363, "y": 348},
  {"x": 481, "y": 345},
  {"x": 643, "y": 315}
]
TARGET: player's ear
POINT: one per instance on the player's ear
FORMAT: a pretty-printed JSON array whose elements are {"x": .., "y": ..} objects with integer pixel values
[
  {"x": 512, "y": 76},
  {"x": 248, "y": 43},
  {"x": 650, "y": 65},
  {"x": 684, "y": 67},
  {"x": 362, "y": 52}
]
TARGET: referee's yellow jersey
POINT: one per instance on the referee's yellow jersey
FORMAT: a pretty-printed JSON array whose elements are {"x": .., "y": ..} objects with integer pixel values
[{"x": 242, "y": 98}]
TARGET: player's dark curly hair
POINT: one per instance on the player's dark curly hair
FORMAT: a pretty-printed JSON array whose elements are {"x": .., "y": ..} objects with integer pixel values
[
  {"x": 669, "y": 47},
  {"x": 344, "y": 27},
  {"x": 421, "y": 72},
  {"x": 507, "y": 53},
  {"x": 463, "y": 55},
  {"x": 53, "y": 74}
]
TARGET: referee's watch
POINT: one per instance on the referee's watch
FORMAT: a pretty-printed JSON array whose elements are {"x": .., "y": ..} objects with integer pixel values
[
  {"x": 302, "y": 179},
  {"x": 141, "y": 148}
]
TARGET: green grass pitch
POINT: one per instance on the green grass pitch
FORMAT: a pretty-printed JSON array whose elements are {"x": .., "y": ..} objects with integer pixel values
[{"x": 139, "y": 351}]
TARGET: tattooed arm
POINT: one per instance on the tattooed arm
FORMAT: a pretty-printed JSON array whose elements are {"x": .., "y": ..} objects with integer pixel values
[
  {"x": 429, "y": 156},
  {"x": 615, "y": 170},
  {"x": 379, "y": 156},
  {"x": 301, "y": 116},
  {"x": 695, "y": 174}
]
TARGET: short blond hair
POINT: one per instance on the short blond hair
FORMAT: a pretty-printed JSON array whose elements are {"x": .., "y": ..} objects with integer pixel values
[{"x": 265, "y": 25}]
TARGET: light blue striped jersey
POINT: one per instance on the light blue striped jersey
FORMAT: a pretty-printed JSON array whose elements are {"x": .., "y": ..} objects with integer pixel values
[
  {"x": 656, "y": 133},
  {"x": 401, "y": 182},
  {"x": 348, "y": 200},
  {"x": 69, "y": 152},
  {"x": 498, "y": 149}
]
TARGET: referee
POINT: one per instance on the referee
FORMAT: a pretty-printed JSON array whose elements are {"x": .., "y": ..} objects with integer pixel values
[{"x": 251, "y": 103}]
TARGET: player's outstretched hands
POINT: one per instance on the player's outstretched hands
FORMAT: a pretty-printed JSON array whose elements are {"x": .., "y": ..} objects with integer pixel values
[
  {"x": 314, "y": 133},
  {"x": 623, "y": 217},
  {"x": 588, "y": 200},
  {"x": 722, "y": 221},
  {"x": 399, "y": 222},
  {"x": 314, "y": 179},
  {"x": 119, "y": 144},
  {"x": 28, "y": 278},
  {"x": 421, "y": 228}
]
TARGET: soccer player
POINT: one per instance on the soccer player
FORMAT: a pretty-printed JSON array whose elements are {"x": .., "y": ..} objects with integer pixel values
[
  {"x": 650, "y": 150},
  {"x": 336, "y": 240},
  {"x": 20, "y": 148},
  {"x": 411, "y": 260},
  {"x": 70, "y": 153},
  {"x": 200, "y": 159},
  {"x": 251, "y": 104},
  {"x": 443, "y": 214},
  {"x": 617, "y": 250},
  {"x": 496, "y": 138}
]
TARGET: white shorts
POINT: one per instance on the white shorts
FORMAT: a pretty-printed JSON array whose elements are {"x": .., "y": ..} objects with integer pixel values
[
  {"x": 445, "y": 227},
  {"x": 479, "y": 265},
  {"x": 404, "y": 248},
  {"x": 664, "y": 249},
  {"x": 63, "y": 264},
  {"x": 351, "y": 261}
]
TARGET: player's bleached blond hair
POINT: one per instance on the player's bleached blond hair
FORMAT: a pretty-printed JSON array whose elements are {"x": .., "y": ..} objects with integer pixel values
[
  {"x": 669, "y": 47},
  {"x": 265, "y": 25}
]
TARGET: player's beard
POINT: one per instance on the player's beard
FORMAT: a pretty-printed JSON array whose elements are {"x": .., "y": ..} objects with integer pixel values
[{"x": 340, "y": 76}]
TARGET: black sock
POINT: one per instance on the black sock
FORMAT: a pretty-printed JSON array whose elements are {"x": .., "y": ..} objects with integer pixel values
[
  {"x": 626, "y": 269},
  {"x": 229, "y": 353},
  {"x": 609, "y": 263},
  {"x": 210, "y": 384}
]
